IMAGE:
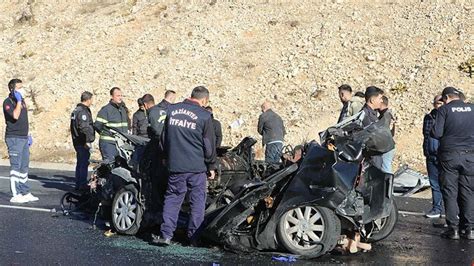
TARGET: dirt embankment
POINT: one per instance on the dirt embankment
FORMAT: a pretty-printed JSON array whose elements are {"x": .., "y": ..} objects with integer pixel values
[{"x": 295, "y": 53}]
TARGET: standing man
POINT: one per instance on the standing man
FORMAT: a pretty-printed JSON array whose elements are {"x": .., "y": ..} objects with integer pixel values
[
  {"x": 83, "y": 135},
  {"x": 156, "y": 122},
  {"x": 388, "y": 118},
  {"x": 113, "y": 115},
  {"x": 189, "y": 145},
  {"x": 430, "y": 150},
  {"x": 350, "y": 105},
  {"x": 157, "y": 113},
  {"x": 217, "y": 127},
  {"x": 373, "y": 102},
  {"x": 18, "y": 142},
  {"x": 140, "y": 120},
  {"x": 272, "y": 129},
  {"x": 454, "y": 128},
  {"x": 170, "y": 98}
]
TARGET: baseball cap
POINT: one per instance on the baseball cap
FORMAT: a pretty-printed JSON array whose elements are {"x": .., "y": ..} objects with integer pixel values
[{"x": 450, "y": 90}]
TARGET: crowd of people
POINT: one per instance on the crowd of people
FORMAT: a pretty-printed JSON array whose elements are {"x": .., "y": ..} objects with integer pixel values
[{"x": 188, "y": 135}]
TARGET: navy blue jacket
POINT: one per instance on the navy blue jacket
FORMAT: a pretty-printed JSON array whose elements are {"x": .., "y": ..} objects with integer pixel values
[
  {"x": 156, "y": 121},
  {"x": 82, "y": 126},
  {"x": 430, "y": 144},
  {"x": 454, "y": 127},
  {"x": 188, "y": 138}
]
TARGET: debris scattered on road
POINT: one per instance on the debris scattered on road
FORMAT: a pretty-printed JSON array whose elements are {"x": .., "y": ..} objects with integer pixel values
[
  {"x": 109, "y": 233},
  {"x": 407, "y": 181},
  {"x": 284, "y": 258}
]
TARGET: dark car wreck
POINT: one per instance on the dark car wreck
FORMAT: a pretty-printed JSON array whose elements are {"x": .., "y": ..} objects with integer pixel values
[
  {"x": 318, "y": 193},
  {"x": 307, "y": 205}
]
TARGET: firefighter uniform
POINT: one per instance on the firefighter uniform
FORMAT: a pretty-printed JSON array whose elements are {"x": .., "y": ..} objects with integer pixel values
[
  {"x": 454, "y": 128},
  {"x": 188, "y": 140},
  {"x": 82, "y": 132},
  {"x": 112, "y": 115}
]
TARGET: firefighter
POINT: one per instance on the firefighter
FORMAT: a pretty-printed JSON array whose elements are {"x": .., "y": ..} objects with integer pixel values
[
  {"x": 188, "y": 140},
  {"x": 83, "y": 135},
  {"x": 113, "y": 115}
]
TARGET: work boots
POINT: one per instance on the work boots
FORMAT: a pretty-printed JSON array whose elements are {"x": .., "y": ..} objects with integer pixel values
[
  {"x": 451, "y": 233},
  {"x": 468, "y": 234},
  {"x": 160, "y": 241}
]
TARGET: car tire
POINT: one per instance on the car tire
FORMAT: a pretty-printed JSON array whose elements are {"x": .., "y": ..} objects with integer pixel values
[
  {"x": 309, "y": 231},
  {"x": 383, "y": 227},
  {"x": 126, "y": 211}
]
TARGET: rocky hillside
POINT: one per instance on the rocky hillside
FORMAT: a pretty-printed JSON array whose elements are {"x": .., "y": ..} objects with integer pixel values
[{"x": 295, "y": 53}]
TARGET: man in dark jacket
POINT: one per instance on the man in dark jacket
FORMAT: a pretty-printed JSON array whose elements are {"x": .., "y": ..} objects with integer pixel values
[
  {"x": 455, "y": 131},
  {"x": 140, "y": 120},
  {"x": 430, "y": 150},
  {"x": 272, "y": 129},
  {"x": 156, "y": 120},
  {"x": 373, "y": 102},
  {"x": 189, "y": 145},
  {"x": 170, "y": 98},
  {"x": 83, "y": 135},
  {"x": 18, "y": 142},
  {"x": 113, "y": 115},
  {"x": 217, "y": 127},
  {"x": 157, "y": 113},
  {"x": 386, "y": 114}
]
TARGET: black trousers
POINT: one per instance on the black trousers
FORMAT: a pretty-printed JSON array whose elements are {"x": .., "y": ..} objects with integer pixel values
[{"x": 457, "y": 183}]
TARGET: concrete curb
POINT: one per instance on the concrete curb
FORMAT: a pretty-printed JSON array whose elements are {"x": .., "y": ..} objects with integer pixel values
[{"x": 45, "y": 165}]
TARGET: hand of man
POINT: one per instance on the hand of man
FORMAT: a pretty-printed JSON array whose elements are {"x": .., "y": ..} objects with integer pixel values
[
  {"x": 17, "y": 96},
  {"x": 89, "y": 147},
  {"x": 212, "y": 174}
]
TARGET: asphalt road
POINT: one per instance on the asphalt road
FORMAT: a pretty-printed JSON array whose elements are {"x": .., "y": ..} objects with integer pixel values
[{"x": 39, "y": 237}]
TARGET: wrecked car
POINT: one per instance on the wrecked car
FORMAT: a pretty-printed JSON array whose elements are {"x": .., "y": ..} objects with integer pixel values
[
  {"x": 130, "y": 190},
  {"x": 305, "y": 207},
  {"x": 320, "y": 192}
]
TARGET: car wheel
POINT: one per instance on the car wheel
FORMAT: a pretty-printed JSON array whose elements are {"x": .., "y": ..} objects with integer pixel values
[
  {"x": 126, "y": 211},
  {"x": 309, "y": 231},
  {"x": 382, "y": 228}
]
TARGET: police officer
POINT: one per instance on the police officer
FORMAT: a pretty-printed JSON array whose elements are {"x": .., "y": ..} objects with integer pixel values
[
  {"x": 140, "y": 120},
  {"x": 18, "y": 142},
  {"x": 454, "y": 128},
  {"x": 83, "y": 135},
  {"x": 189, "y": 144},
  {"x": 113, "y": 115}
]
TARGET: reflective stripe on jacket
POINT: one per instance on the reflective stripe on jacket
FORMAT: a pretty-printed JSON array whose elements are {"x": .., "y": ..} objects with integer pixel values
[{"x": 114, "y": 116}]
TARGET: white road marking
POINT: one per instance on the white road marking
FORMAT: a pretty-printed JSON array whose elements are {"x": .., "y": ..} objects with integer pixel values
[
  {"x": 43, "y": 181},
  {"x": 27, "y": 208},
  {"x": 412, "y": 213}
]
